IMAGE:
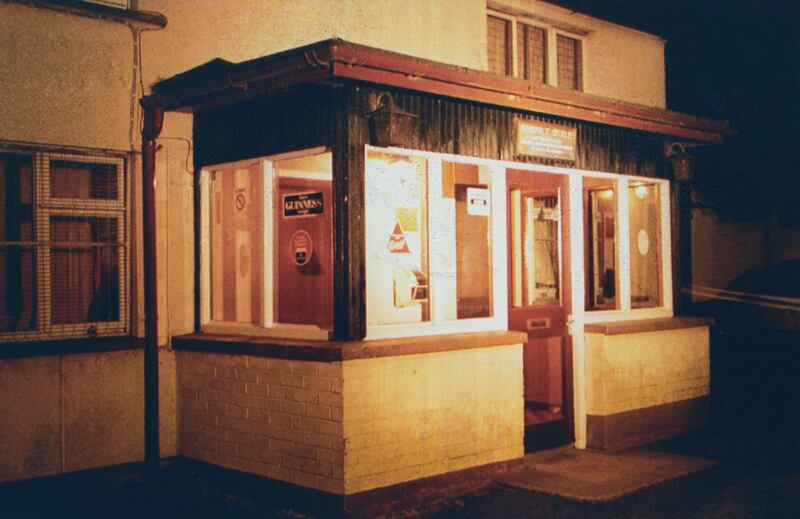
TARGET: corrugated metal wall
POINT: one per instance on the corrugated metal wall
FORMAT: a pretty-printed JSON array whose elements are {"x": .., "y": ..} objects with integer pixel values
[{"x": 306, "y": 117}]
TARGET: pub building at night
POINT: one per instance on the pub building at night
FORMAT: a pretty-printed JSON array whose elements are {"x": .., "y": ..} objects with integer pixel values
[{"x": 409, "y": 273}]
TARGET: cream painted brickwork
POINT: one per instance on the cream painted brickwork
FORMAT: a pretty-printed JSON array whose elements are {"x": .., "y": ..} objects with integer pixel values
[
  {"x": 346, "y": 427},
  {"x": 271, "y": 417},
  {"x": 417, "y": 416},
  {"x": 638, "y": 370}
]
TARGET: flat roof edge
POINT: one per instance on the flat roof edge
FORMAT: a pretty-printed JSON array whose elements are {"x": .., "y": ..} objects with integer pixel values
[{"x": 336, "y": 59}]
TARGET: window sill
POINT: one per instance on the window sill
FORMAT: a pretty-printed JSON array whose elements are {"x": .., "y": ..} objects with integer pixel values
[
  {"x": 146, "y": 19},
  {"x": 328, "y": 351},
  {"x": 24, "y": 350},
  {"x": 648, "y": 325}
]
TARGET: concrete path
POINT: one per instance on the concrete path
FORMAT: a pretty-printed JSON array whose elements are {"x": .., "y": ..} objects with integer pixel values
[{"x": 592, "y": 476}]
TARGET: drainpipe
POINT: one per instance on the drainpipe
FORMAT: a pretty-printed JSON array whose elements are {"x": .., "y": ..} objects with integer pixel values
[{"x": 153, "y": 121}]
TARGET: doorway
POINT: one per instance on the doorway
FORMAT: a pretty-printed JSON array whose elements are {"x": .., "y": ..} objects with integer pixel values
[{"x": 539, "y": 299}]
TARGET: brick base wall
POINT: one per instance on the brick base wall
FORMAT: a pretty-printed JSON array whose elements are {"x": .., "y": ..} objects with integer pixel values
[
  {"x": 634, "y": 378},
  {"x": 351, "y": 426},
  {"x": 271, "y": 417}
]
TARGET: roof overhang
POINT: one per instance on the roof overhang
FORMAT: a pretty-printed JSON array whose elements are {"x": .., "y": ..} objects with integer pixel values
[{"x": 219, "y": 82}]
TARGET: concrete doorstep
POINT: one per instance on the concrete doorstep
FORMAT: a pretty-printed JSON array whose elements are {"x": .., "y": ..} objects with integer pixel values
[{"x": 592, "y": 476}]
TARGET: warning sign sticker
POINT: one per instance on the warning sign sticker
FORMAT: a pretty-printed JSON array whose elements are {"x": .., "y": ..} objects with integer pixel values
[
  {"x": 240, "y": 199},
  {"x": 397, "y": 241},
  {"x": 477, "y": 201},
  {"x": 301, "y": 247}
]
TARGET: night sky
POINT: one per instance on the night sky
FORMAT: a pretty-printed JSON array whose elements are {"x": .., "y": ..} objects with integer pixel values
[{"x": 736, "y": 61}]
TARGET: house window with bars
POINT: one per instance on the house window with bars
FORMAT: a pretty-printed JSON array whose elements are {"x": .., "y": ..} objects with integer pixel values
[
  {"x": 63, "y": 246},
  {"x": 532, "y": 53},
  {"x": 499, "y": 46},
  {"x": 569, "y": 62},
  {"x": 536, "y": 53}
]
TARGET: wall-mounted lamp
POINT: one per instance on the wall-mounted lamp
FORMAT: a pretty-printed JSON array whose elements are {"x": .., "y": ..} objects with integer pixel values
[
  {"x": 389, "y": 124},
  {"x": 681, "y": 161}
]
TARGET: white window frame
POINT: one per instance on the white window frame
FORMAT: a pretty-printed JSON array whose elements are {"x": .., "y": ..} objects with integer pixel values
[
  {"x": 119, "y": 4},
  {"x": 438, "y": 324},
  {"x": 551, "y": 51},
  {"x": 271, "y": 328},
  {"x": 622, "y": 251},
  {"x": 500, "y": 273},
  {"x": 46, "y": 206}
]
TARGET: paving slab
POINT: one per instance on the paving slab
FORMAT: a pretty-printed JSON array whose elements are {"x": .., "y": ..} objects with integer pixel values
[{"x": 593, "y": 476}]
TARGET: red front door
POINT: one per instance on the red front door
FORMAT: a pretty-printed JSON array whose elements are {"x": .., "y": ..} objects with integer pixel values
[{"x": 538, "y": 302}]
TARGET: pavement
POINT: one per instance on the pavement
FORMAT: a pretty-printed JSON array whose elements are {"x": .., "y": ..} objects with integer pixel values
[{"x": 594, "y": 476}]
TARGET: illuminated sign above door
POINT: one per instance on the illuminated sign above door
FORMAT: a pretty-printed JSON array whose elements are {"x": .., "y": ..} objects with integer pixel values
[{"x": 545, "y": 140}]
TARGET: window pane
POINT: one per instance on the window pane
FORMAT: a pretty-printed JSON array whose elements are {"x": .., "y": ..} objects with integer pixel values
[
  {"x": 534, "y": 243},
  {"x": 396, "y": 239},
  {"x": 465, "y": 232},
  {"x": 498, "y": 44},
  {"x": 17, "y": 288},
  {"x": 531, "y": 53},
  {"x": 83, "y": 180},
  {"x": 84, "y": 269},
  {"x": 645, "y": 245},
  {"x": 569, "y": 62},
  {"x": 303, "y": 241},
  {"x": 600, "y": 224},
  {"x": 236, "y": 235}
]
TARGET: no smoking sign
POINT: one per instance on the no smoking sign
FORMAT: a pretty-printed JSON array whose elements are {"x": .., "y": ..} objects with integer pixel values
[{"x": 240, "y": 201}]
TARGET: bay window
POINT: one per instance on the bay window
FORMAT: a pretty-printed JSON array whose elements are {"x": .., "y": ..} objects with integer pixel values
[
  {"x": 626, "y": 245},
  {"x": 266, "y": 246},
  {"x": 63, "y": 246},
  {"x": 434, "y": 245}
]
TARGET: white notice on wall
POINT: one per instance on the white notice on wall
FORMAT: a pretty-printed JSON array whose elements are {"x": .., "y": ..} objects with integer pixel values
[{"x": 477, "y": 201}]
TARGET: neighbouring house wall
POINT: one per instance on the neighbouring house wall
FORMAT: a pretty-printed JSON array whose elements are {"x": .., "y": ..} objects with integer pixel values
[
  {"x": 70, "y": 412},
  {"x": 416, "y": 416},
  {"x": 641, "y": 386},
  {"x": 745, "y": 246},
  {"x": 619, "y": 62},
  {"x": 450, "y": 31}
]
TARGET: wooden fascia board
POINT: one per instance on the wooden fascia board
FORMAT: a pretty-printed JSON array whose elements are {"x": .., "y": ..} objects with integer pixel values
[
  {"x": 355, "y": 62},
  {"x": 469, "y": 93}
]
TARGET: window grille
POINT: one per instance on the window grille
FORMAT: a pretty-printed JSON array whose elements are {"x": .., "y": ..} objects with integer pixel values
[
  {"x": 64, "y": 249},
  {"x": 499, "y": 46},
  {"x": 532, "y": 53},
  {"x": 569, "y": 62}
]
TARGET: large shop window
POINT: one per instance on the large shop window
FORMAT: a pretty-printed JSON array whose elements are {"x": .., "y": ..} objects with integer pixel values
[
  {"x": 267, "y": 246},
  {"x": 434, "y": 245},
  {"x": 63, "y": 246},
  {"x": 625, "y": 250}
]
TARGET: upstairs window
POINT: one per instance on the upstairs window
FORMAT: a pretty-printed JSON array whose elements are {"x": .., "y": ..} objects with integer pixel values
[
  {"x": 532, "y": 51},
  {"x": 498, "y": 43},
  {"x": 569, "y": 62},
  {"x": 63, "y": 246}
]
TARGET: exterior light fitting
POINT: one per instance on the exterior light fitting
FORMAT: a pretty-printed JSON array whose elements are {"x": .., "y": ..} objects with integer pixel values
[{"x": 390, "y": 125}]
